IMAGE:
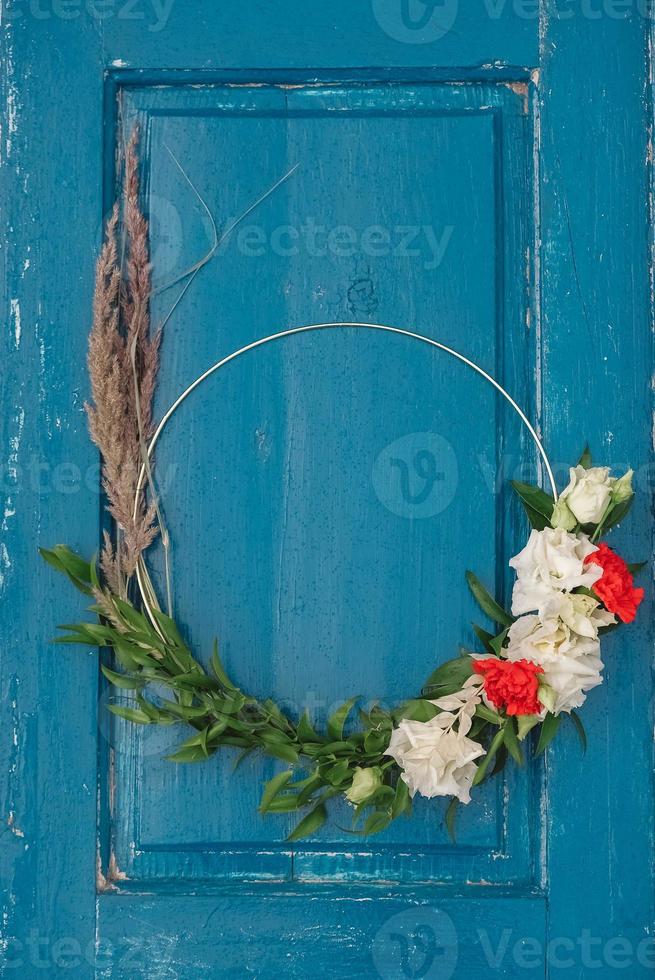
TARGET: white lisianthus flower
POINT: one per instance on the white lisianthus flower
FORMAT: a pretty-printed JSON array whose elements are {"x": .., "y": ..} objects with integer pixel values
[
  {"x": 622, "y": 488},
  {"x": 552, "y": 560},
  {"x": 435, "y": 759},
  {"x": 562, "y": 516},
  {"x": 581, "y": 613},
  {"x": 365, "y": 784},
  {"x": 588, "y": 493},
  {"x": 571, "y": 662}
]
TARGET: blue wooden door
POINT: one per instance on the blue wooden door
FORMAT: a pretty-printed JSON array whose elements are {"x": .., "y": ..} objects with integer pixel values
[{"x": 477, "y": 173}]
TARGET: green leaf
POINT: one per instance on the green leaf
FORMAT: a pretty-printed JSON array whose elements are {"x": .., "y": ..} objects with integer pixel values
[
  {"x": 305, "y": 730},
  {"x": 499, "y": 762},
  {"x": 195, "y": 749},
  {"x": 73, "y": 566},
  {"x": 337, "y": 721},
  {"x": 186, "y": 712},
  {"x": 281, "y": 751},
  {"x": 130, "y": 714},
  {"x": 219, "y": 670},
  {"x": 486, "y": 602},
  {"x": 195, "y": 680},
  {"x": 286, "y": 803},
  {"x": 192, "y": 753},
  {"x": 579, "y": 727},
  {"x": 272, "y": 788},
  {"x": 130, "y": 655},
  {"x": 133, "y": 617},
  {"x": 169, "y": 628},
  {"x": 482, "y": 711},
  {"x": 548, "y": 732},
  {"x": 585, "y": 459},
  {"x": 635, "y": 567},
  {"x": 525, "y": 724},
  {"x": 123, "y": 681},
  {"x": 496, "y": 743},
  {"x": 309, "y": 824},
  {"x": 309, "y": 786},
  {"x": 451, "y": 818},
  {"x": 375, "y": 742},
  {"x": 450, "y": 676},
  {"x": 484, "y": 638},
  {"x": 512, "y": 742},
  {"x": 402, "y": 801},
  {"x": 497, "y": 643},
  {"x": 418, "y": 709},
  {"x": 338, "y": 772},
  {"x": 615, "y": 516},
  {"x": 378, "y": 821},
  {"x": 538, "y": 504}
]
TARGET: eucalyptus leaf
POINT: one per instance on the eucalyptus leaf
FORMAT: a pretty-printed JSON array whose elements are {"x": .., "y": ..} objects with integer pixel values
[
  {"x": 548, "y": 732},
  {"x": 402, "y": 801},
  {"x": 130, "y": 714},
  {"x": 579, "y": 727},
  {"x": 484, "y": 637},
  {"x": 511, "y": 741},
  {"x": 451, "y": 675},
  {"x": 486, "y": 601},
  {"x": 123, "y": 681},
  {"x": 451, "y": 818},
  {"x": 378, "y": 821},
  {"x": 538, "y": 504},
  {"x": 272, "y": 788},
  {"x": 496, "y": 743},
  {"x": 337, "y": 721},
  {"x": 219, "y": 670},
  {"x": 309, "y": 824},
  {"x": 585, "y": 459}
]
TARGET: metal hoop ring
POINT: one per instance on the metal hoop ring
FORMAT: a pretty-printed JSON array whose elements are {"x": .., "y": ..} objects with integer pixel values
[{"x": 141, "y": 572}]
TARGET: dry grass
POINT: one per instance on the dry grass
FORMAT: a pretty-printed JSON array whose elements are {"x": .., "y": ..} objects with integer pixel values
[{"x": 123, "y": 362}]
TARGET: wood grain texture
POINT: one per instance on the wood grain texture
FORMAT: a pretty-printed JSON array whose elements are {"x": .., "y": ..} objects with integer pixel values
[{"x": 597, "y": 363}]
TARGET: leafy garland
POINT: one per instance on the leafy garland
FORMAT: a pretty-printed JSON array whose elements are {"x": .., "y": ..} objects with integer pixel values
[
  {"x": 339, "y": 761},
  {"x": 476, "y": 706}
]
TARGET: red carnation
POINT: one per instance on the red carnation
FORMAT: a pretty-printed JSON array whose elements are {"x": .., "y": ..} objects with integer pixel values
[
  {"x": 615, "y": 588},
  {"x": 511, "y": 685}
]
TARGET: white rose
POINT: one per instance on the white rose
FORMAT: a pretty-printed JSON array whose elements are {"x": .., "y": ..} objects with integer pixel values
[
  {"x": 552, "y": 560},
  {"x": 437, "y": 760},
  {"x": 571, "y": 662},
  {"x": 588, "y": 493}
]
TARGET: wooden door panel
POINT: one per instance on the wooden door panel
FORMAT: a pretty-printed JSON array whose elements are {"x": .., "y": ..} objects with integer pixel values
[{"x": 295, "y": 540}]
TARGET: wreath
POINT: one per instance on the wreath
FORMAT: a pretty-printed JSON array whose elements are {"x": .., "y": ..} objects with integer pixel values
[{"x": 472, "y": 714}]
